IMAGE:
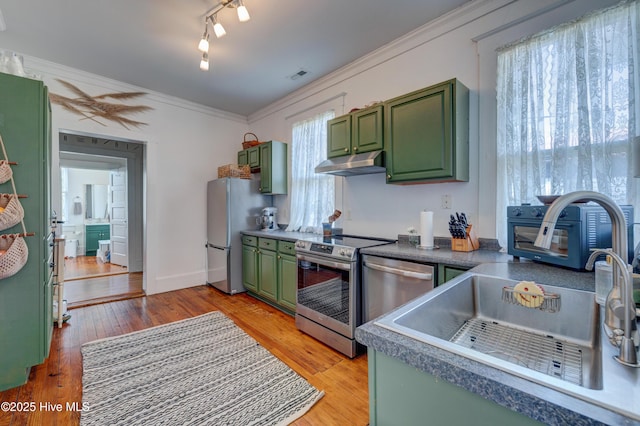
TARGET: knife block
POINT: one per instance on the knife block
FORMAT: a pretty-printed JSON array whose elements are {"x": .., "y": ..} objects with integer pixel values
[{"x": 466, "y": 244}]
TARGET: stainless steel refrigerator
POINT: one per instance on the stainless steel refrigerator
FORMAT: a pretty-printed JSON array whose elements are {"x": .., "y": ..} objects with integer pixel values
[{"x": 233, "y": 205}]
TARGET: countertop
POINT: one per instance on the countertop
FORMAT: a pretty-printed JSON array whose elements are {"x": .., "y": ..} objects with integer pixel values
[
  {"x": 281, "y": 235},
  {"x": 440, "y": 255},
  {"x": 534, "y": 400}
]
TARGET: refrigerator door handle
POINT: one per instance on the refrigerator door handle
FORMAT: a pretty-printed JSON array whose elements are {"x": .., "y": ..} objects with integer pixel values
[{"x": 216, "y": 247}]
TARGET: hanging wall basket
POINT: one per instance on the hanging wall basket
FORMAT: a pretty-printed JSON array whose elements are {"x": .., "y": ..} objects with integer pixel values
[
  {"x": 11, "y": 211},
  {"x": 13, "y": 254},
  {"x": 5, "y": 171}
]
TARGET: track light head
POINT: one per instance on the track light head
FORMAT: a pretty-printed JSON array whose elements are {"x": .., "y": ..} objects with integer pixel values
[
  {"x": 218, "y": 29},
  {"x": 203, "y": 46},
  {"x": 204, "y": 63},
  {"x": 243, "y": 13}
]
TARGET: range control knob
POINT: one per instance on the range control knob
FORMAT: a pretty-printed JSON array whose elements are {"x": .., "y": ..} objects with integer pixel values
[
  {"x": 517, "y": 211},
  {"x": 343, "y": 252},
  {"x": 536, "y": 212},
  {"x": 563, "y": 213}
]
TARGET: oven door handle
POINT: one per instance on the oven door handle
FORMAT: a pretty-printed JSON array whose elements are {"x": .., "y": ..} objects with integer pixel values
[
  {"x": 401, "y": 272},
  {"x": 325, "y": 262}
]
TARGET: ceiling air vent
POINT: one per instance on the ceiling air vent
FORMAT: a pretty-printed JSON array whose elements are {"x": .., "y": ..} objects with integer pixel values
[{"x": 299, "y": 74}]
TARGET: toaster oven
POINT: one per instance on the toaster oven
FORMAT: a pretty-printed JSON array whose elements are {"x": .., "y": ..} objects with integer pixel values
[{"x": 580, "y": 228}]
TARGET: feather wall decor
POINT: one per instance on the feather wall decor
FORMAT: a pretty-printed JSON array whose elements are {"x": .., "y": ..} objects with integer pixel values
[{"x": 96, "y": 108}]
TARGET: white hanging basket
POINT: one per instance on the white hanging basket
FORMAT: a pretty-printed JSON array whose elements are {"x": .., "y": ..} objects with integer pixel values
[
  {"x": 13, "y": 254},
  {"x": 11, "y": 211},
  {"x": 5, "y": 171}
]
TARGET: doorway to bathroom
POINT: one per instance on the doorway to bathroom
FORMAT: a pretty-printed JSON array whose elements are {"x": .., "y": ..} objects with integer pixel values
[{"x": 101, "y": 182}]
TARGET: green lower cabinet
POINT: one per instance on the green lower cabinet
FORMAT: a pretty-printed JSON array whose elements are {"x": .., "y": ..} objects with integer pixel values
[
  {"x": 268, "y": 283},
  {"x": 93, "y": 234},
  {"x": 269, "y": 271},
  {"x": 446, "y": 272},
  {"x": 250, "y": 267},
  {"x": 287, "y": 280},
  {"x": 400, "y": 394}
]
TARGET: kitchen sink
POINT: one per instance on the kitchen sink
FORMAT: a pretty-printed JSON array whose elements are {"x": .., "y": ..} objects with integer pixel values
[{"x": 474, "y": 315}]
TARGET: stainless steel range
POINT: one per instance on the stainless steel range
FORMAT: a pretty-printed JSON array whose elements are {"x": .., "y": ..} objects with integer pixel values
[{"x": 329, "y": 289}]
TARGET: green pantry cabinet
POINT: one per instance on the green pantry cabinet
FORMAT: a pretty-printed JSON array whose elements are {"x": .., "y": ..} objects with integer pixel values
[
  {"x": 270, "y": 159},
  {"x": 269, "y": 270},
  {"x": 427, "y": 135},
  {"x": 93, "y": 234},
  {"x": 357, "y": 132},
  {"x": 26, "y": 318}
]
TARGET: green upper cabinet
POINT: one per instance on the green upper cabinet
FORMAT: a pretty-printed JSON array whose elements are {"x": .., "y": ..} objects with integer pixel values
[
  {"x": 339, "y": 136},
  {"x": 273, "y": 167},
  {"x": 270, "y": 159},
  {"x": 427, "y": 135},
  {"x": 360, "y": 131},
  {"x": 366, "y": 130}
]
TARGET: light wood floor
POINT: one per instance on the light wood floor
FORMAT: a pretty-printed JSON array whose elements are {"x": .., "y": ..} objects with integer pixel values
[
  {"x": 59, "y": 379},
  {"x": 89, "y": 281},
  {"x": 89, "y": 266}
]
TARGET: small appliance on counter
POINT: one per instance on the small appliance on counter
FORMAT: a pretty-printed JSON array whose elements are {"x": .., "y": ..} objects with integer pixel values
[
  {"x": 580, "y": 228},
  {"x": 268, "y": 220}
]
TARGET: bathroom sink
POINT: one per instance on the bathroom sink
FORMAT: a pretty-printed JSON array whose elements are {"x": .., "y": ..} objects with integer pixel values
[{"x": 475, "y": 316}]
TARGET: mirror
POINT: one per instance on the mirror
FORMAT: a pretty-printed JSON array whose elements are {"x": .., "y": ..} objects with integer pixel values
[{"x": 96, "y": 197}]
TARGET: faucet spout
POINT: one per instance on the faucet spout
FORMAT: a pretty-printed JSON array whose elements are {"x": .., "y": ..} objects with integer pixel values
[{"x": 620, "y": 309}]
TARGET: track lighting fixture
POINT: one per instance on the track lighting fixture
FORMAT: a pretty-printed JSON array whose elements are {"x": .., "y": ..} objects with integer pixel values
[{"x": 218, "y": 29}]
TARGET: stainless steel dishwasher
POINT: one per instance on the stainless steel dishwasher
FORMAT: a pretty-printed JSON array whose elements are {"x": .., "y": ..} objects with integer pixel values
[{"x": 389, "y": 283}]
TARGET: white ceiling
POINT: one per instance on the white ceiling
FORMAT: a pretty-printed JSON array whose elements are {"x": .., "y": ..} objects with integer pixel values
[{"x": 153, "y": 43}]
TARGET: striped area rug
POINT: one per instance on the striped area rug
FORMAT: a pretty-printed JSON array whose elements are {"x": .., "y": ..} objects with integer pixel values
[{"x": 199, "y": 371}]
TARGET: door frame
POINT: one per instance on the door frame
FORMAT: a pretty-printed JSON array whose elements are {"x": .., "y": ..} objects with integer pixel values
[{"x": 135, "y": 154}]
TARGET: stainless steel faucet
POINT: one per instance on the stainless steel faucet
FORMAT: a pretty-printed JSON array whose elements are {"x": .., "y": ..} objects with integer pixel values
[{"x": 619, "y": 307}]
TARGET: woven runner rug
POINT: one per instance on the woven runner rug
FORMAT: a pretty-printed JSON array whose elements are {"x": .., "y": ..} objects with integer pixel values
[{"x": 199, "y": 371}]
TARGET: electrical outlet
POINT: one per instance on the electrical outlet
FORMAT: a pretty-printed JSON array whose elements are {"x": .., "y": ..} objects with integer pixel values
[{"x": 446, "y": 201}]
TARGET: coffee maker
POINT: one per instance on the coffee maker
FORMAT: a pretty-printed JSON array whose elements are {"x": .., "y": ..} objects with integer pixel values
[{"x": 268, "y": 220}]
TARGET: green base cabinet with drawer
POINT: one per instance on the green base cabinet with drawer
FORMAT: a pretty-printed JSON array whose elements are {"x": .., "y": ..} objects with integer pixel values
[
  {"x": 250, "y": 263},
  {"x": 26, "y": 319},
  {"x": 269, "y": 271},
  {"x": 400, "y": 394},
  {"x": 355, "y": 133},
  {"x": 427, "y": 135}
]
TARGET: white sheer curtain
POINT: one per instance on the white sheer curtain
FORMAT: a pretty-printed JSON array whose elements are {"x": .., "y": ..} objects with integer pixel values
[
  {"x": 312, "y": 194},
  {"x": 568, "y": 109}
]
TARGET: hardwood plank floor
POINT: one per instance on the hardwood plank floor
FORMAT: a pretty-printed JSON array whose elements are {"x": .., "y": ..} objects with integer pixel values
[
  {"x": 59, "y": 379},
  {"x": 109, "y": 288},
  {"x": 81, "y": 267}
]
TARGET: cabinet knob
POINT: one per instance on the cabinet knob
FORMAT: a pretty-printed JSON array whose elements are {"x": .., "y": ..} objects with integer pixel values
[
  {"x": 388, "y": 176},
  {"x": 346, "y": 150},
  {"x": 279, "y": 257},
  {"x": 355, "y": 148}
]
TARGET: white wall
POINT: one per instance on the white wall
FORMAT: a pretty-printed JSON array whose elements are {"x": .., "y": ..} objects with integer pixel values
[
  {"x": 185, "y": 144},
  {"x": 459, "y": 45}
]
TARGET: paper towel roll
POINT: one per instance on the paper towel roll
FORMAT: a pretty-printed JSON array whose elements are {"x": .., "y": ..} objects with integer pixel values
[{"x": 426, "y": 229}]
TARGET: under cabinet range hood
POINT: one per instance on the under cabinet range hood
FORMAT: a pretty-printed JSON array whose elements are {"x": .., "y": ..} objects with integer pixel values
[{"x": 358, "y": 164}]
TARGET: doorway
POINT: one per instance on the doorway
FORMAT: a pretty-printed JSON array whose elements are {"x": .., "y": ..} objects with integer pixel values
[{"x": 102, "y": 206}]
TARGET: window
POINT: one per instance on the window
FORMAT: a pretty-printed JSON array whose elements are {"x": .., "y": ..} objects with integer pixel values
[
  {"x": 312, "y": 194},
  {"x": 567, "y": 111}
]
